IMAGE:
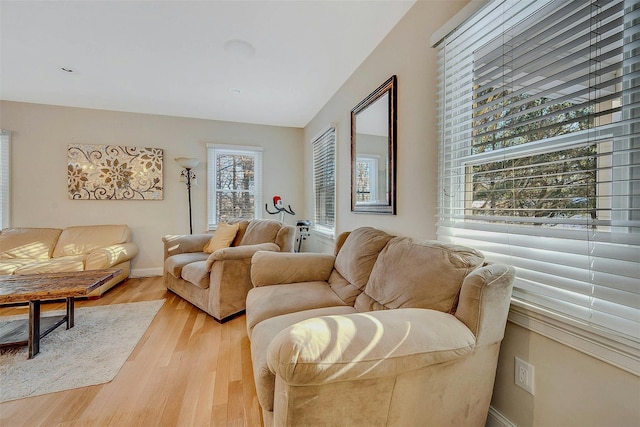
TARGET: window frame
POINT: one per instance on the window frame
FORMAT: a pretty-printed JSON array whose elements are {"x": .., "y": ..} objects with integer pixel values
[
  {"x": 324, "y": 190},
  {"x": 372, "y": 162},
  {"x": 213, "y": 151},
  {"x": 611, "y": 197}
]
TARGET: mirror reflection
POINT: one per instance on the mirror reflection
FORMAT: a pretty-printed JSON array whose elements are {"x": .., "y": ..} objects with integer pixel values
[
  {"x": 372, "y": 152},
  {"x": 372, "y": 155}
]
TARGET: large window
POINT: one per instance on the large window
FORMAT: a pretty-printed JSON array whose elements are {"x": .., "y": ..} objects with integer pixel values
[
  {"x": 4, "y": 179},
  {"x": 540, "y": 158},
  {"x": 324, "y": 181},
  {"x": 234, "y": 183}
]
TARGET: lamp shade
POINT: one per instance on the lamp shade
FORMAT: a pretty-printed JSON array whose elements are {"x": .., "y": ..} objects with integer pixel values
[{"x": 186, "y": 162}]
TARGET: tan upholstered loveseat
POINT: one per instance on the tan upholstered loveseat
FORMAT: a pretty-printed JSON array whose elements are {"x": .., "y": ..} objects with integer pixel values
[
  {"x": 387, "y": 332},
  {"x": 218, "y": 282},
  {"x": 33, "y": 250}
]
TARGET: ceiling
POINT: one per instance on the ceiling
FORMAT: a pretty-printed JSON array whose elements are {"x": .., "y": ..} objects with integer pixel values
[{"x": 265, "y": 62}]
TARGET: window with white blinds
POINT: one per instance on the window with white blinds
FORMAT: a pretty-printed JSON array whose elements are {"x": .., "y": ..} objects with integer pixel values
[
  {"x": 234, "y": 183},
  {"x": 324, "y": 181},
  {"x": 540, "y": 155},
  {"x": 4, "y": 178}
]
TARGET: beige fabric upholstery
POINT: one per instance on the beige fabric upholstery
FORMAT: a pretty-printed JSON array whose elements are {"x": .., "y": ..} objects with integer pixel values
[
  {"x": 54, "y": 265},
  {"x": 288, "y": 298},
  {"x": 32, "y": 243},
  {"x": 330, "y": 348},
  {"x": 33, "y": 250},
  {"x": 174, "y": 264},
  {"x": 263, "y": 375},
  {"x": 218, "y": 283},
  {"x": 262, "y": 231},
  {"x": 242, "y": 229},
  {"x": 196, "y": 273},
  {"x": 358, "y": 254},
  {"x": 432, "y": 275},
  {"x": 84, "y": 239},
  {"x": 486, "y": 286},
  {"x": 8, "y": 266},
  {"x": 419, "y": 346},
  {"x": 278, "y": 268}
]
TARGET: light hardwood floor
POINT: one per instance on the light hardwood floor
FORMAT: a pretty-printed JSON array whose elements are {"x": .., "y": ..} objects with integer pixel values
[{"x": 187, "y": 370}]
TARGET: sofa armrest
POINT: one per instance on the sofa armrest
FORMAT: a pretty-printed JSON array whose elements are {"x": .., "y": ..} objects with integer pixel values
[
  {"x": 484, "y": 301},
  {"x": 239, "y": 252},
  {"x": 110, "y": 255},
  {"x": 367, "y": 345},
  {"x": 275, "y": 268},
  {"x": 180, "y": 244}
]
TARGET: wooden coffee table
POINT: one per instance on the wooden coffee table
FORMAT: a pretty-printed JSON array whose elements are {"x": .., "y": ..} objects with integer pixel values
[{"x": 34, "y": 288}]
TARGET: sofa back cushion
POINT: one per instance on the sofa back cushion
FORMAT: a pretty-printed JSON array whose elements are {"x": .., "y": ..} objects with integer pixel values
[
  {"x": 286, "y": 238},
  {"x": 261, "y": 231},
  {"x": 355, "y": 260},
  {"x": 418, "y": 274},
  {"x": 86, "y": 238},
  {"x": 242, "y": 229},
  {"x": 28, "y": 242}
]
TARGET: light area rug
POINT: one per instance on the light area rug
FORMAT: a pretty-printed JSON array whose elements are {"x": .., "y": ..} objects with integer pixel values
[{"x": 90, "y": 353}]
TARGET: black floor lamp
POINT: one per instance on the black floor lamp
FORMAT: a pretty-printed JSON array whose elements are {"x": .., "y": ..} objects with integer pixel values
[{"x": 188, "y": 164}]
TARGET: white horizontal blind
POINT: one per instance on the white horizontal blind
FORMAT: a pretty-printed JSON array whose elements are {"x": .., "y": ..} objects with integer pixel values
[
  {"x": 234, "y": 183},
  {"x": 324, "y": 180},
  {"x": 4, "y": 178},
  {"x": 540, "y": 153}
]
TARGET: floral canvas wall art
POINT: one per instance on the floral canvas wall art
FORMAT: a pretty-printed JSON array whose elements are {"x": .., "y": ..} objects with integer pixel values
[{"x": 114, "y": 172}]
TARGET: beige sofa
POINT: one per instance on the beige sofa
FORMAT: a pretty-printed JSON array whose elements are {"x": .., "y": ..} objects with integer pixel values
[
  {"x": 218, "y": 282},
  {"x": 32, "y": 250},
  {"x": 388, "y": 331}
]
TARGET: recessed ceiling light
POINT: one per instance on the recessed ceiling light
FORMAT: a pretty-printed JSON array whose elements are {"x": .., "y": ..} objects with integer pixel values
[
  {"x": 66, "y": 70},
  {"x": 240, "y": 48}
]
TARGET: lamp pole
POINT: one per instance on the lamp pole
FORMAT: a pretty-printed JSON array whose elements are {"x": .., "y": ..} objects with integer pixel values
[
  {"x": 188, "y": 174},
  {"x": 187, "y": 165}
]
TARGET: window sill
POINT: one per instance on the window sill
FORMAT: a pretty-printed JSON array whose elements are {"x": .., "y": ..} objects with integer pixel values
[
  {"x": 616, "y": 351},
  {"x": 324, "y": 234}
]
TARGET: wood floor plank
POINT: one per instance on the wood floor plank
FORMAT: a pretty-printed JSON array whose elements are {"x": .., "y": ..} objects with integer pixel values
[{"x": 187, "y": 370}]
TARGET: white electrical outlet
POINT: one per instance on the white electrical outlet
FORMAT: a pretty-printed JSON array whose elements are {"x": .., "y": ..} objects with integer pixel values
[{"x": 524, "y": 375}]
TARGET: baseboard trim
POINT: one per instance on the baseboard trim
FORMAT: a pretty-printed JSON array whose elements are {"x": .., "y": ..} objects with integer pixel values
[
  {"x": 146, "y": 272},
  {"x": 496, "y": 419}
]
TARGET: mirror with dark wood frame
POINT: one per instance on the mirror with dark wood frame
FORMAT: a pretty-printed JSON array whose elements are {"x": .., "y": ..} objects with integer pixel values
[{"x": 373, "y": 151}]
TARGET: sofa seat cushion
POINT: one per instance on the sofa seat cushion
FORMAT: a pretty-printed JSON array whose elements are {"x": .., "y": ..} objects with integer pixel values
[
  {"x": 28, "y": 242},
  {"x": 86, "y": 238},
  {"x": 264, "y": 333},
  {"x": 270, "y": 301},
  {"x": 175, "y": 263},
  {"x": 10, "y": 265},
  {"x": 197, "y": 274},
  {"x": 54, "y": 265},
  {"x": 420, "y": 274},
  {"x": 363, "y": 346}
]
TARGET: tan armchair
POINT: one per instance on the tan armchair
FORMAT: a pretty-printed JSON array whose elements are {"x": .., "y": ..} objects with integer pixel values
[
  {"x": 388, "y": 331},
  {"x": 218, "y": 283}
]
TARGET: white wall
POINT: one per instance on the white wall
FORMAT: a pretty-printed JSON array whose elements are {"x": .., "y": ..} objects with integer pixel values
[
  {"x": 404, "y": 52},
  {"x": 573, "y": 389},
  {"x": 39, "y": 140}
]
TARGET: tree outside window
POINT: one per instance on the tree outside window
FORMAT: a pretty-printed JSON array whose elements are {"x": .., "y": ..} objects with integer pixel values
[{"x": 234, "y": 179}]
